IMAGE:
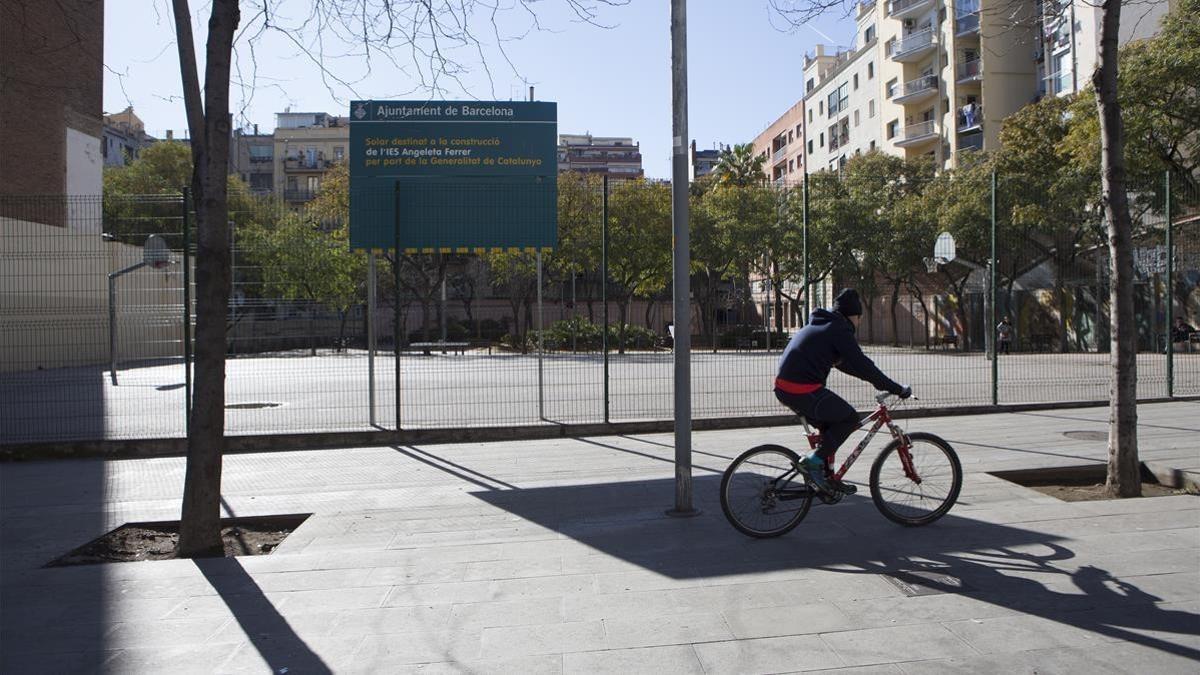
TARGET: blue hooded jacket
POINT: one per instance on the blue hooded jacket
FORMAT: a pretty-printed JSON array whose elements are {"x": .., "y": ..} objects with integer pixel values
[{"x": 825, "y": 343}]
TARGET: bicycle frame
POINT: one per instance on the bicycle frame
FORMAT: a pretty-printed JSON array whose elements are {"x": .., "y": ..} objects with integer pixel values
[{"x": 878, "y": 420}]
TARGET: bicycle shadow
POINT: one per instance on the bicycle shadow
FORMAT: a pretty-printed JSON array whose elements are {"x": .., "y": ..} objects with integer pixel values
[{"x": 987, "y": 562}]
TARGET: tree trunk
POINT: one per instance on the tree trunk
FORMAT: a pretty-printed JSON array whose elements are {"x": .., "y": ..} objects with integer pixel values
[
  {"x": 200, "y": 518},
  {"x": 1123, "y": 468},
  {"x": 895, "y": 320},
  {"x": 623, "y": 312}
]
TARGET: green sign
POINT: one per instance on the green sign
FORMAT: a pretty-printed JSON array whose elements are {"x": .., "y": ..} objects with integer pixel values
[{"x": 453, "y": 176}]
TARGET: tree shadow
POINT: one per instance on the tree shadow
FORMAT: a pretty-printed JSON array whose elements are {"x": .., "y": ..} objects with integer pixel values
[
  {"x": 264, "y": 626},
  {"x": 987, "y": 562}
]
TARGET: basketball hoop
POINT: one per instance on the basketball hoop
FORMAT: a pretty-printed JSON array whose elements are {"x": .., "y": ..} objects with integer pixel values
[
  {"x": 931, "y": 264},
  {"x": 155, "y": 252}
]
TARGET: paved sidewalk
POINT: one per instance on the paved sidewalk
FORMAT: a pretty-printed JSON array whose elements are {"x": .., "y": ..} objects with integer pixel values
[{"x": 555, "y": 556}]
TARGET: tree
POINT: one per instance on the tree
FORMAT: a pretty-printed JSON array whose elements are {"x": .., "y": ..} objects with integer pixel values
[
  {"x": 430, "y": 35},
  {"x": 738, "y": 165},
  {"x": 516, "y": 273},
  {"x": 639, "y": 259}
]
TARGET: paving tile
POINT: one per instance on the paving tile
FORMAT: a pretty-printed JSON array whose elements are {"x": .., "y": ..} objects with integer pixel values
[
  {"x": 163, "y": 633},
  {"x": 766, "y": 655},
  {"x": 507, "y": 613},
  {"x": 312, "y": 654},
  {"x": 381, "y": 653},
  {"x": 1023, "y": 633},
  {"x": 557, "y": 638},
  {"x": 666, "y": 630},
  {"x": 799, "y": 619},
  {"x": 901, "y": 643},
  {"x": 331, "y": 599},
  {"x": 650, "y": 660},
  {"x": 197, "y": 658},
  {"x": 513, "y": 569},
  {"x": 385, "y": 620},
  {"x": 1102, "y": 659}
]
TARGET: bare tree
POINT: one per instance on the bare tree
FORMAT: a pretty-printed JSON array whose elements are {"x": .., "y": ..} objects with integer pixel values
[{"x": 432, "y": 43}]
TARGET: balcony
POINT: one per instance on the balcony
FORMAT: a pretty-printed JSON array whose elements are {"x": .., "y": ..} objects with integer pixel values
[
  {"x": 966, "y": 24},
  {"x": 306, "y": 164},
  {"x": 917, "y": 90},
  {"x": 912, "y": 47},
  {"x": 916, "y": 134},
  {"x": 973, "y": 142},
  {"x": 836, "y": 142},
  {"x": 903, "y": 9},
  {"x": 299, "y": 195},
  {"x": 779, "y": 154},
  {"x": 969, "y": 71},
  {"x": 969, "y": 118}
]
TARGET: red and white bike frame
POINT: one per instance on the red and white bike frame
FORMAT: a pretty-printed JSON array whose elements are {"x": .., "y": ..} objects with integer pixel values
[{"x": 878, "y": 420}]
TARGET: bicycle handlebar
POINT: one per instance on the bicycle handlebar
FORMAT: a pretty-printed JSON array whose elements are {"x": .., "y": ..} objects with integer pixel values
[{"x": 883, "y": 396}]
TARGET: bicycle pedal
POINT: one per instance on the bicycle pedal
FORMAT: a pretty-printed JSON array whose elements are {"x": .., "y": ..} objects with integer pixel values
[{"x": 848, "y": 488}]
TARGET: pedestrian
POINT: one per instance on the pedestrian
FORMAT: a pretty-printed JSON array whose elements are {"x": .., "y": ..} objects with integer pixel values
[
  {"x": 1004, "y": 332},
  {"x": 1181, "y": 334}
]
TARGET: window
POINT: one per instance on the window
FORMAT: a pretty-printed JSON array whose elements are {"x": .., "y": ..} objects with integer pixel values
[
  {"x": 339, "y": 153},
  {"x": 809, "y": 85},
  {"x": 833, "y": 137},
  {"x": 843, "y": 97},
  {"x": 810, "y": 115},
  {"x": 820, "y": 107},
  {"x": 891, "y": 86},
  {"x": 856, "y": 81},
  {"x": 798, "y": 131},
  {"x": 810, "y": 147},
  {"x": 869, "y": 34},
  {"x": 292, "y": 186},
  {"x": 314, "y": 183},
  {"x": 791, "y": 165},
  {"x": 855, "y": 118},
  {"x": 789, "y": 140},
  {"x": 872, "y": 147},
  {"x": 871, "y": 109},
  {"x": 822, "y": 137},
  {"x": 870, "y": 70},
  {"x": 833, "y": 101},
  {"x": 891, "y": 128}
]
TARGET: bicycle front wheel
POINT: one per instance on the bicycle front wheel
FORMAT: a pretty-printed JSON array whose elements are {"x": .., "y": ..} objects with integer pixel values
[
  {"x": 763, "y": 492},
  {"x": 927, "y": 492}
]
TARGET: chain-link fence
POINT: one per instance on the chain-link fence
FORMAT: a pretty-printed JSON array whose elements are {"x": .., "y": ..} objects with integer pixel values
[{"x": 95, "y": 341}]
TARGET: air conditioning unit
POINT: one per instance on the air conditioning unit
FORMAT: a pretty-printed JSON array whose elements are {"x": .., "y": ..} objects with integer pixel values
[{"x": 909, "y": 23}]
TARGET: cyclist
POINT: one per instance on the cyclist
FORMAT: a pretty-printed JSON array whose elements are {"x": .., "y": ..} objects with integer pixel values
[{"x": 827, "y": 342}]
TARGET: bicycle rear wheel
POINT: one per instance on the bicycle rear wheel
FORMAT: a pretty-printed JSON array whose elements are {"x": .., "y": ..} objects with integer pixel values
[
  {"x": 939, "y": 479},
  {"x": 763, "y": 492}
]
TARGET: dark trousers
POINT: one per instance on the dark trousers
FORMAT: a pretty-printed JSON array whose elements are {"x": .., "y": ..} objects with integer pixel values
[
  {"x": 1004, "y": 345},
  {"x": 826, "y": 411}
]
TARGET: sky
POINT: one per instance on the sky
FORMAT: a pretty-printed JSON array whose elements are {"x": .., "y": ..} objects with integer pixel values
[{"x": 744, "y": 71}]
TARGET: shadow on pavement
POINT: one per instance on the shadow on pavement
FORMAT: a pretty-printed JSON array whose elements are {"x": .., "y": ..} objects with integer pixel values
[
  {"x": 997, "y": 564},
  {"x": 279, "y": 645}
]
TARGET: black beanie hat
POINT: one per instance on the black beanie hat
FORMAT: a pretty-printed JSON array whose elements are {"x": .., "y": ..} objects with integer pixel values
[{"x": 847, "y": 303}]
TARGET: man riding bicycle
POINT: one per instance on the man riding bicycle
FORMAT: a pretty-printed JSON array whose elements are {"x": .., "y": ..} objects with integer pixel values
[{"x": 827, "y": 342}]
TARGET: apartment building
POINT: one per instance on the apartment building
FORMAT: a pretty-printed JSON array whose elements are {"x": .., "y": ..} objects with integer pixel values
[
  {"x": 1070, "y": 38},
  {"x": 617, "y": 156},
  {"x": 306, "y": 145},
  {"x": 702, "y": 162},
  {"x": 781, "y": 145},
  {"x": 917, "y": 83},
  {"x": 124, "y": 137},
  {"x": 252, "y": 158}
]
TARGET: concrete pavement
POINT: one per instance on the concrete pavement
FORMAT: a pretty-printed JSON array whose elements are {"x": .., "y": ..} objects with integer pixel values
[{"x": 554, "y": 556}]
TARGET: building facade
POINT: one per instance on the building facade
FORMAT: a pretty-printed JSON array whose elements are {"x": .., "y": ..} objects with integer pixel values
[
  {"x": 252, "y": 158},
  {"x": 124, "y": 138},
  {"x": 1070, "y": 38},
  {"x": 781, "y": 145},
  {"x": 702, "y": 162},
  {"x": 616, "y": 156},
  {"x": 51, "y": 57},
  {"x": 306, "y": 145}
]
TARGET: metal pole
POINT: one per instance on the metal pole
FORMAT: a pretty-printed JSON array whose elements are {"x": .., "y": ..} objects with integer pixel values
[
  {"x": 187, "y": 312},
  {"x": 541, "y": 343},
  {"x": 395, "y": 309},
  {"x": 112, "y": 328},
  {"x": 574, "y": 338},
  {"x": 991, "y": 333},
  {"x": 804, "y": 237},
  {"x": 604, "y": 287},
  {"x": 443, "y": 312},
  {"x": 1170, "y": 290},
  {"x": 681, "y": 263},
  {"x": 371, "y": 309}
]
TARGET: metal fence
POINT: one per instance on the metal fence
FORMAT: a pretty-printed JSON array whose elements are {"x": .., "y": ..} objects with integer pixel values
[{"x": 93, "y": 343}]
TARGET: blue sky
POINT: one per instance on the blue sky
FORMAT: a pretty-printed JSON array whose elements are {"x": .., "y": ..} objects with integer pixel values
[{"x": 743, "y": 70}]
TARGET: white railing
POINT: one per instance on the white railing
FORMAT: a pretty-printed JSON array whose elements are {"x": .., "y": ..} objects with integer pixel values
[
  {"x": 918, "y": 130},
  {"x": 912, "y": 42},
  {"x": 897, "y": 6},
  {"x": 779, "y": 154},
  {"x": 970, "y": 68},
  {"x": 966, "y": 23},
  {"x": 923, "y": 83}
]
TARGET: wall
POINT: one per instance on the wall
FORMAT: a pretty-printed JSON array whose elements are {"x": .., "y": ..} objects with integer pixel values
[{"x": 54, "y": 291}]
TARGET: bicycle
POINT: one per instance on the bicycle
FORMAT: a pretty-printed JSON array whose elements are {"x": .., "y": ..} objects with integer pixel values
[{"x": 917, "y": 467}]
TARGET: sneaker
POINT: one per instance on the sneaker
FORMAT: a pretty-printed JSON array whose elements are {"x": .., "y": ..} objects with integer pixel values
[{"x": 814, "y": 467}]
